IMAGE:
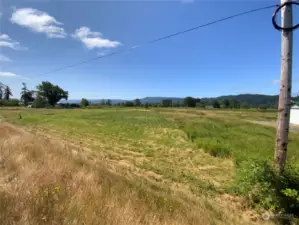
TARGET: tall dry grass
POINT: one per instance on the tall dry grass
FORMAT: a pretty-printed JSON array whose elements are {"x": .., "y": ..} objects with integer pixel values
[
  {"x": 46, "y": 182},
  {"x": 49, "y": 182}
]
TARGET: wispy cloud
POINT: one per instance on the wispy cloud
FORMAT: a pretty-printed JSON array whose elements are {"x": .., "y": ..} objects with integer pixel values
[
  {"x": 13, "y": 75},
  {"x": 6, "y": 41},
  {"x": 3, "y": 58},
  {"x": 7, "y": 74},
  {"x": 93, "y": 39},
  {"x": 38, "y": 21}
]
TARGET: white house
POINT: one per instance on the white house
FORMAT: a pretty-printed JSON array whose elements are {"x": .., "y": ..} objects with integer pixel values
[{"x": 295, "y": 114}]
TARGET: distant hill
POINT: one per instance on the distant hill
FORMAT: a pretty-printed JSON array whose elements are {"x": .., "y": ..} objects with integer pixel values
[
  {"x": 252, "y": 99},
  {"x": 159, "y": 99}
]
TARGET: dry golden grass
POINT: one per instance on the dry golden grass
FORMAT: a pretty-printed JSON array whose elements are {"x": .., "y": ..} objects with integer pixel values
[{"x": 44, "y": 181}]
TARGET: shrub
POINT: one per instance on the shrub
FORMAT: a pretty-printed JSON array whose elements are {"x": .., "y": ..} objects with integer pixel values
[
  {"x": 67, "y": 105},
  {"x": 256, "y": 180},
  {"x": 263, "y": 108},
  {"x": 12, "y": 102},
  {"x": 39, "y": 102},
  {"x": 129, "y": 104}
]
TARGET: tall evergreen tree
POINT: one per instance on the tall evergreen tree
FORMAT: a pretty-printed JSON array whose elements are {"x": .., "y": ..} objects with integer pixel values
[
  {"x": 7, "y": 93},
  {"x": 26, "y": 95}
]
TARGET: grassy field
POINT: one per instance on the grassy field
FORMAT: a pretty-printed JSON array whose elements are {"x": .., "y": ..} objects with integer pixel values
[{"x": 197, "y": 153}]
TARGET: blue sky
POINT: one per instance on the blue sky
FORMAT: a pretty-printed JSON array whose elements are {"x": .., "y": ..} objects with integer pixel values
[{"x": 241, "y": 55}]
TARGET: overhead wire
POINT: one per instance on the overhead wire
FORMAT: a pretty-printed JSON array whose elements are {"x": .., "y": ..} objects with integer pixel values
[{"x": 155, "y": 40}]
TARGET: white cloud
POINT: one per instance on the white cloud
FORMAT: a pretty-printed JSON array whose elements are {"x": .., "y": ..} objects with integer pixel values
[
  {"x": 6, "y": 41},
  {"x": 275, "y": 81},
  {"x": 93, "y": 39},
  {"x": 3, "y": 58},
  {"x": 38, "y": 21},
  {"x": 4, "y": 37},
  {"x": 7, "y": 74}
]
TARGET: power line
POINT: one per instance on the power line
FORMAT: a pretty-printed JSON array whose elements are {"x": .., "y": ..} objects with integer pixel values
[{"x": 156, "y": 40}]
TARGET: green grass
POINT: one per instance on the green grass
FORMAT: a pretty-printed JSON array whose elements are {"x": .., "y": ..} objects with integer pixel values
[
  {"x": 243, "y": 141},
  {"x": 199, "y": 149}
]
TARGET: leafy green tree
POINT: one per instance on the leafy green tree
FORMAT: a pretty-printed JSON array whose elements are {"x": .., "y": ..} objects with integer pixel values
[
  {"x": 244, "y": 105},
  {"x": 108, "y": 102},
  {"x": 84, "y": 102},
  {"x": 190, "y": 102},
  {"x": 166, "y": 103},
  {"x": 26, "y": 95},
  {"x": 233, "y": 104},
  {"x": 216, "y": 104},
  {"x": 225, "y": 103},
  {"x": 137, "y": 102},
  {"x": 53, "y": 93},
  {"x": 7, "y": 93}
]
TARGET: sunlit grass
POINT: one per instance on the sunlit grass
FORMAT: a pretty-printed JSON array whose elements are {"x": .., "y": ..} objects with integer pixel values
[
  {"x": 196, "y": 151},
  {"x": 45, "y": 181}
]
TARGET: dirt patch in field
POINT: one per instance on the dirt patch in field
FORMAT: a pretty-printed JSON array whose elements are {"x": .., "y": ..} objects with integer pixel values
[{"x": 293, "y": 128}]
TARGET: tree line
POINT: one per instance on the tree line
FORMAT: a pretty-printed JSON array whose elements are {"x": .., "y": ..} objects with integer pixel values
[{"x": 48, "y": 95}]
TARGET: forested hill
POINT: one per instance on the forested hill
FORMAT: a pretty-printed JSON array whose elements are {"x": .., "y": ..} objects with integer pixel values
[{"x": 251, "y": 99}]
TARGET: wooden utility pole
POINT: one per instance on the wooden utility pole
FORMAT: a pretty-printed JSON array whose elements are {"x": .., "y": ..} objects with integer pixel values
[{"x": 285, "y": 88}]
